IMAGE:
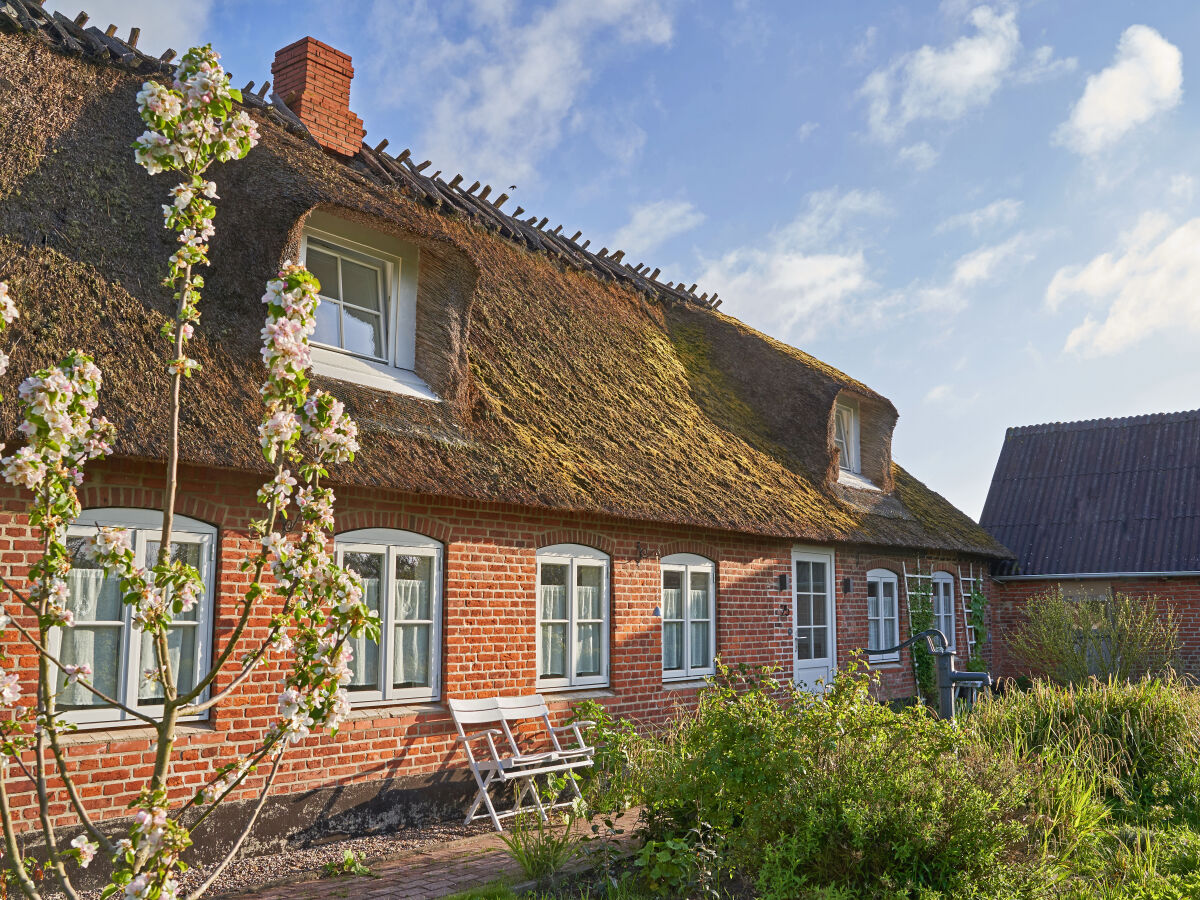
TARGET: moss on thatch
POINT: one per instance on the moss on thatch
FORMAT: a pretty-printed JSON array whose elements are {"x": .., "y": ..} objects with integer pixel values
[{"x": 561, "y": 390}]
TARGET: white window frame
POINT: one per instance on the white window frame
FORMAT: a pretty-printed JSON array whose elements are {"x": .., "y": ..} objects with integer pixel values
[
  {"x": 390, "y": 542},
  {"x": 850, "y": 457},
  {"x": 146, "y": 526},
  {"x": 944, "y": 620},
  {"x": 881, "y": 576},
  {"x": 394, "y": 370},
  {"x": 572, "y": 555},
  {"x": 687, "y": 563}
]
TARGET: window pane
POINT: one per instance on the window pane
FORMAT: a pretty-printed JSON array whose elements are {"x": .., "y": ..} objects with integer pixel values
[
  {"x": 673, "y": 646},
  {"x": 365, "y": 664},
  {"x": 804, "y": 577},
  {"x": 360, "y": 285},
  {"x": 412, "y": 656},
  {"x": 803, "y": 644},
  {"x": 700, "y": 655},
  {"x": 818, "y": 578},
  {"x": 181, "y": 651},
  {"x": 819, "y": 603},
  {"x": 873, "y": 635},
  {"x": 673, "y": 598},
  {"x": 819, "y": 643},
  {"x": 93, "y": 597},
  {"x": 181, "y": 551},
  {"x": 100, "y": 647},
  {"x": 698, "y": 598},
  {"x": 324, "y": 267},
  {"x": 362, "y": 332},
  {"x": 804, "y": 610},
  {"x": 414, "y": 587},
  {"x": 889, "y": 633},
  {"x": 554, "y": 651},
  {"x": 588, "y": 592},
  {"x": 553, "y": 599},
  {"x": 873, "y": 599},
  {"x": 326, "y": 331},
  {"x": 587, "y": 649}
]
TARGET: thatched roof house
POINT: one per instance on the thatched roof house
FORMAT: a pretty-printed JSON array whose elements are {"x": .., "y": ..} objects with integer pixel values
[{"x": 542, "y": 407}]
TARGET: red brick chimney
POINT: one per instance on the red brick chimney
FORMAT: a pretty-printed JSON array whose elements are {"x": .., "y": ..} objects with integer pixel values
[{"x": 314, "y": 81}]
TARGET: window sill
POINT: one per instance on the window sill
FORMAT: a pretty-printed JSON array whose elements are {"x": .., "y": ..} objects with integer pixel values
[
  {"x": 385, "y": 709},
  {"x": 687, "y": 683},
  {"x": 854, "y": 480},
  {"x": 887, "y": 662},
  {"x": 343, "y": 367},
  {"x": 106, "y": 732},
  {"x": 569, "y": 692}
]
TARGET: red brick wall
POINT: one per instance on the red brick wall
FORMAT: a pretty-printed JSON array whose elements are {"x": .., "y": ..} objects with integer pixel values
[
  {"x": 1179, "y": 594},
  {"x": 489, "y": 627}
]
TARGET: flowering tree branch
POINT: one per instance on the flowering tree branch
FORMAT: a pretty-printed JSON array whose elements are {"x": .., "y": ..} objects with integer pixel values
[{"x": 191, "y": 124}]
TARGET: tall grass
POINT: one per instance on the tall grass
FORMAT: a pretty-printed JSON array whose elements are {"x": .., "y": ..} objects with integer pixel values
[{"x": 1139, "y": 741}]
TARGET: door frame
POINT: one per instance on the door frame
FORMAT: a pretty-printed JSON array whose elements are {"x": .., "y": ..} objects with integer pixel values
[{"x": 811, "y": 553}]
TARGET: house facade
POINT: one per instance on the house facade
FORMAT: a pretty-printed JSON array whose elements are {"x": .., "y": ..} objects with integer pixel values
[
  {"x": 575, "y": 478},
  {"x": 1094, "y": 508}
]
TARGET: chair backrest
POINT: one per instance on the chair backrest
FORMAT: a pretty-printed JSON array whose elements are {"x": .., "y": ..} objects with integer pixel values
[
  {"x": 485, "y": 711},
  {"x": 531, "y": 706}
]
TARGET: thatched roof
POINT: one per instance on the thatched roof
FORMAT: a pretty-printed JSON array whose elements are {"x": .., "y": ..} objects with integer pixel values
[{"x": 569, "y": 381}]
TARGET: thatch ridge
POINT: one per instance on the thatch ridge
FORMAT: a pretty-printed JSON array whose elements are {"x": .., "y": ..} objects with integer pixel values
[{"x": 570, "y": 392}]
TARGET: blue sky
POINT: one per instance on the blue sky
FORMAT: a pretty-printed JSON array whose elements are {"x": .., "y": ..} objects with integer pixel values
[{"x": 989, "y": 212}]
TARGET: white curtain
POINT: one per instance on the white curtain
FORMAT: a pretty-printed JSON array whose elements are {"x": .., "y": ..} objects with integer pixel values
[
  {"x": 93, "y": 598},
  {"x": 587, "y": 649},
  {"x": 181, "y": 651},
  {"x": 365, "y": 664},
  {"x": 411, "y": 664}
]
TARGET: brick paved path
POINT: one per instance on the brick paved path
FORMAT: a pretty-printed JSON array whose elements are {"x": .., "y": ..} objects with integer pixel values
[{"x": 426, "y": 873}]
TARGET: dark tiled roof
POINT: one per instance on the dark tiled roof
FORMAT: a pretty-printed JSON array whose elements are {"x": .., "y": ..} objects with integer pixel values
[
  {"x": 569, "y": 380},
  {"x": 1109, "y": 495}
]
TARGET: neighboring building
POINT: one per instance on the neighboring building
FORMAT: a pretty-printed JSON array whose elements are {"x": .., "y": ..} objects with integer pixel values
[
  {"x": 575, "y": 478},
  {"x": 1110, "y": 505}
]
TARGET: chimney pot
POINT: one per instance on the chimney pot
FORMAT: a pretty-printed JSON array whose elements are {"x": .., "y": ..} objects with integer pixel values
[{"x": 314, "y": 80}]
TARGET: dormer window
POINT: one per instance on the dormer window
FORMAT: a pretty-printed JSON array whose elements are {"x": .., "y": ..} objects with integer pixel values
[
  {"x": 845, "y": 436},
  {"x": 367, "y": 321},
  {"x": 356, "y": 300}
]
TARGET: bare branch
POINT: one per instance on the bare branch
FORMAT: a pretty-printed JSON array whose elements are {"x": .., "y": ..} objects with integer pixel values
[
  {"x": 237, "y": 845},
  {"x": 12, "y": 848}
]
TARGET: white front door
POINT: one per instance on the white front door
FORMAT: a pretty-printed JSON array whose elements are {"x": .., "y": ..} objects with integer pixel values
[{"x": 814, "y": 637}]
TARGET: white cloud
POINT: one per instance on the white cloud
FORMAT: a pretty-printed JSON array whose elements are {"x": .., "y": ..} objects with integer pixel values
[
  {"x": 509, "y": 92},
  {"x": 920, "y": 155},
  {"x": 946, "y": 83},
  {"x": 1150, "y": 284},
  {"x": 655, "y": 223},
  {"x": 938, "y": 393},
  {"x": 806, "y": 129},
  {"x": 1043, "y": 65},
  {"x": 1145, "y": 79},
  {"x": 175, "y": 25},
  {"x": 804, "y": 275},
  {"x": 999, "y": 212},
  {"x": 1182, "y": 187},
  {"x": 981, "y": 265}
]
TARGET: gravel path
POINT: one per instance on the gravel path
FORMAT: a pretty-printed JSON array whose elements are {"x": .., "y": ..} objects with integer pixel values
[{"x": 303, "y": 864}]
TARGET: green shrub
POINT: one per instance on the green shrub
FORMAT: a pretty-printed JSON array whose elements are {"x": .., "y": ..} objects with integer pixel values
[
  {"x": 1140, "y": 741},
  {"x": 606, "y": 783},
  {"x": 1070, "y": 641},
  {"x": 839, "y": 791}
]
